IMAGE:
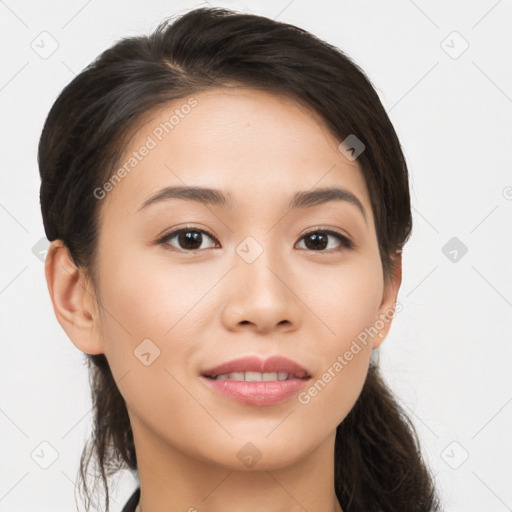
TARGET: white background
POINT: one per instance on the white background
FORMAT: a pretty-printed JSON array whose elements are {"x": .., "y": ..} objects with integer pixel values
[{"x": 448, "y": 355}]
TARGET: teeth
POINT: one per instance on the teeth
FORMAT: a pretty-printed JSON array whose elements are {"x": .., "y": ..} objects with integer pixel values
[{"x": 254, "y": 376}]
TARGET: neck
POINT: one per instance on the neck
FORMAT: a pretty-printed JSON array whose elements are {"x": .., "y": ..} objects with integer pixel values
[{"x": 171, "y": 480}]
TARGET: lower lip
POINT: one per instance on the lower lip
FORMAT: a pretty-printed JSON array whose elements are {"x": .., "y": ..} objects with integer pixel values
[{"x": 257, "y": 393}]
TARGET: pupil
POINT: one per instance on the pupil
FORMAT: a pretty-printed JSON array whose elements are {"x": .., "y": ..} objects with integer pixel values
[
  {"x": 319, "y": 241},
  {"x": 193, "y": 237}
]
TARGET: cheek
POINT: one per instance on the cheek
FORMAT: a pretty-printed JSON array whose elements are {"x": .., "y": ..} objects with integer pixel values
[
  {"x": 144, "y": 326},
  {"x": 346, "y": 303},
  {"x": 145, "y": 295},
  {"x": 345, "y": 299},
  {"x": 149, "y": 299},
  {"x": 130, "y": 298}
]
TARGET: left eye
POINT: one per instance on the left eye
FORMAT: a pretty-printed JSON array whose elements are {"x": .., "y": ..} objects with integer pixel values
[
  {"x": 190, "y": 239},
  {"x": 319, "y": 239}
]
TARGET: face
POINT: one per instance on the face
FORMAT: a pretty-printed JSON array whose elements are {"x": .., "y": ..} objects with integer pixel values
[{"x": 247, "y": 277}]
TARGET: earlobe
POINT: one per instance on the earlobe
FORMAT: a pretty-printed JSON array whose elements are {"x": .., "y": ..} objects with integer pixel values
[
  {"x": 387, "y": 308},
  {"x": 73, "y": 299}
]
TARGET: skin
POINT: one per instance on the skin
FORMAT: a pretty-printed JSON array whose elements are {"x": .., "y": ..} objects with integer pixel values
[{"x": 206, "y": 308}]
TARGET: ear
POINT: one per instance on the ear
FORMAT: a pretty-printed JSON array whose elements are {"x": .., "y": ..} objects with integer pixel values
[
  {"x": 388, "y": 307},
  {"x": 73, "y": 299}
]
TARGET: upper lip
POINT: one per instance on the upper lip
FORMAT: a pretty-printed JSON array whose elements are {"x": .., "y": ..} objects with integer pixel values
[{"x": 256, "y": 364}]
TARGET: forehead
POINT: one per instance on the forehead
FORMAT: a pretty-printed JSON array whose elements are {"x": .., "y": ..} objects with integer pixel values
[{"x": 255, "y": 145}]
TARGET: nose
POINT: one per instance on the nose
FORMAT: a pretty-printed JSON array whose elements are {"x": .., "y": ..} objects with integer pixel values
[{"x": 262, "y": 296}]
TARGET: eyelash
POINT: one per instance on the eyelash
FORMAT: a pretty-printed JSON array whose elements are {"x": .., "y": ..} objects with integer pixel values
[{"x": 344, "y": 241}]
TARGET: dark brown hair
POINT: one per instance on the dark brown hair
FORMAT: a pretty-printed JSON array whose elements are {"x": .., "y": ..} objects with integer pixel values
[{"x": 378, "y": 461}]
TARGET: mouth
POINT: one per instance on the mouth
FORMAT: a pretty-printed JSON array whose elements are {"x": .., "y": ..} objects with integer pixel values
[
  {"x": 257, "y": 382},
  {"x": 256, "y": 376},
  {"x": 255, "y": 369}
]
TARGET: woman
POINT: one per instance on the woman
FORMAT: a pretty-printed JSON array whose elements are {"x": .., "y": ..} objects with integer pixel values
[{"x": 227, "y": 202}]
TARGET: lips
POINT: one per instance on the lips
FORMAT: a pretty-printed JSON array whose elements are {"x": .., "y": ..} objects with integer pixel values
[{"x": 255, "y": 364}]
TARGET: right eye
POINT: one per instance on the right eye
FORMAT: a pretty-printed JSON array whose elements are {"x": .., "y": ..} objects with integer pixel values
[{"x": 189, "y": 239}]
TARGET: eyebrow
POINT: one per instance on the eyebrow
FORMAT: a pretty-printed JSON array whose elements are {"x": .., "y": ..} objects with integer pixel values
[{"x": 214, "y": 197}]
